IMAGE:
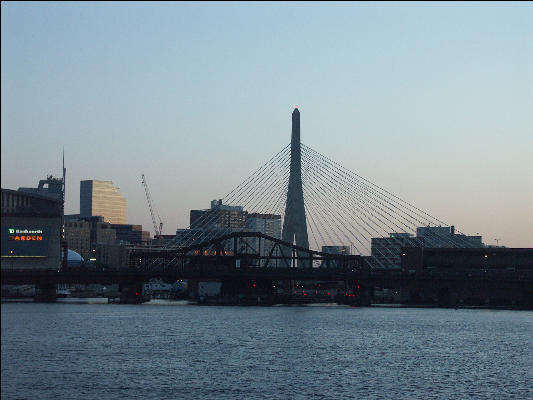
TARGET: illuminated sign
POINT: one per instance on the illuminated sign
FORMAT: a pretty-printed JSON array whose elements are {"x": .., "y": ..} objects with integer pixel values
[
  {"x": 25, "y": 241},
  {"x": 25, "y": 234}
]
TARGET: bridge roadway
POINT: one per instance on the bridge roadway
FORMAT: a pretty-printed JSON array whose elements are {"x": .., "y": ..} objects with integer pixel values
[
  {"x": 448, "y": 288},
  {"x": 382, "y": 278}
]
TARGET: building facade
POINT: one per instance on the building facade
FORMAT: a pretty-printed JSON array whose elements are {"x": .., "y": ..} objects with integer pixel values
[
  {"x": 130, "y": 233},
  {"x": 220, "y": 217},
  {"x": 386, "y": 252},
  {"x": 268, "y": 224},
  {"x": 113, "y": 255},
  {"x": 445, "y": 236},
  {"x": 49, "y": 187},
  {"x": 31, "y": 230},
  {"x": 344, "y": 250},
  {"x": 510, "y": 260},
  {"x": 101, "y": 198},
  {"x": 83, "y": 235}
]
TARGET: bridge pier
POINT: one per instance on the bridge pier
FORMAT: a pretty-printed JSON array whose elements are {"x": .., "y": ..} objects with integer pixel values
[
  {"x": 132, "y": 294},
  {"x": 45, "y": 293}
]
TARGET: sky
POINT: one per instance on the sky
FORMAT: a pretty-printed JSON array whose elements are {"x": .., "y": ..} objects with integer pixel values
[{"x": 433, "y": 102}]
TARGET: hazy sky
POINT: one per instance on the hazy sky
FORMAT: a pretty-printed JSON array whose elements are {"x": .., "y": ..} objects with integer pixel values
[{"x": 432, "y": 101}]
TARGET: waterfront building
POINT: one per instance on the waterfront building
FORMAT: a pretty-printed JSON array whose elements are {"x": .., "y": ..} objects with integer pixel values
[
  {"x": 445, "y": 236},
  {"x": 386, "y": 251},
  {"x": 101, "y": 198},
  {"x": 477, "y": 260},
  {"x": 31, "y": 230}
]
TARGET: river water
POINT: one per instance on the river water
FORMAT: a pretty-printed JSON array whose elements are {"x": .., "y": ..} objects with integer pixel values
[{"x": 163, "y": 351}]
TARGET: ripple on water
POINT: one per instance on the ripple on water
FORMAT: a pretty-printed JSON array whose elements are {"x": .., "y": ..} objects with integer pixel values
[{"x": 79, "y": 351}]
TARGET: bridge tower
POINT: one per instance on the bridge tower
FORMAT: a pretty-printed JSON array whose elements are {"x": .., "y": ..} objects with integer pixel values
[{"x": 294, "y": 222}]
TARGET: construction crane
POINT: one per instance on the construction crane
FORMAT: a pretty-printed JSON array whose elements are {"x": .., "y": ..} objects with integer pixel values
[{"x": 158, "y": 231}]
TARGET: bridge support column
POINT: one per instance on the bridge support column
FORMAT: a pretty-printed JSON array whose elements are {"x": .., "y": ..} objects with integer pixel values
[
  {"x": 247, "y": 291},
  {"x": 294, "y": 222},
  {"x": 45, "y": 293},
  {"x": 132, "y": 294}
]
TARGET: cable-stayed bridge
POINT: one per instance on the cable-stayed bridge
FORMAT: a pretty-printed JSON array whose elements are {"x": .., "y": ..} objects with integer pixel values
[
  {"x": 303, "y": 217},
  {"x": 320, "y": 205}
]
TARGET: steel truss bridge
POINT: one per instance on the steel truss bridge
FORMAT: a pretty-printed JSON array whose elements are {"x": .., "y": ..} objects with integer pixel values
[{"x": 239, "y": 268}]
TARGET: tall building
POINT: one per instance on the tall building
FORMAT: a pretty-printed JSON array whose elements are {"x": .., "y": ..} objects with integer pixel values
[
  {"x": 269, "y": 224},
  {"x": 219, "y": 217},
  {"x": 101, "y": 198}
]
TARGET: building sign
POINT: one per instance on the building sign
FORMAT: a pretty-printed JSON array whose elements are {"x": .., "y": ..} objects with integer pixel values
[{"x": 25, "y": 241}]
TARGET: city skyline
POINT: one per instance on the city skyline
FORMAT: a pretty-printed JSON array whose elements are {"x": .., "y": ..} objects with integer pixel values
[{"x": 430, "y": 102}]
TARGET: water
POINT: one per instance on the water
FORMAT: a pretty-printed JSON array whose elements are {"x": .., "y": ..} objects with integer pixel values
[{"x": 108, "y": 351}]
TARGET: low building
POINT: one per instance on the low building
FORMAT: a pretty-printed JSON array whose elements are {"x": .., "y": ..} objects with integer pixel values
[
  {"x": 419, "y": 260},
  {"x": 445, "y": 236},
  {"x": 386, "y": 252},
  {"x": 113, "y": 255}
]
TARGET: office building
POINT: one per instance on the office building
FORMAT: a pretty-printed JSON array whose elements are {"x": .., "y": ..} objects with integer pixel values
[
  {"x": 84, "y": 234},
  {"x": 268, "y": 224},
  {"x": 101, "y": 198},
  {"x": 220, "y": 217},
  {"x": 131, "y": 233}
]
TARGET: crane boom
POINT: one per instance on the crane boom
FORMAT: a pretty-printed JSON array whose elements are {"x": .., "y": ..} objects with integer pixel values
[{"x": 158, "y": 230}]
